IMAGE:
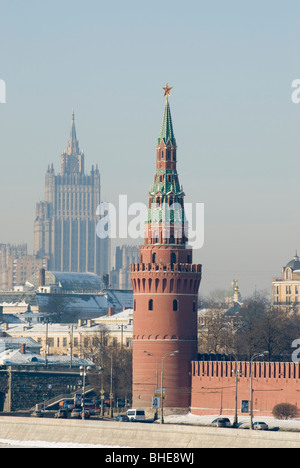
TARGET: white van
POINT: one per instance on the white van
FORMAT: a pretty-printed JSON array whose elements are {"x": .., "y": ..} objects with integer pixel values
[{"x": 136, "y": 415}]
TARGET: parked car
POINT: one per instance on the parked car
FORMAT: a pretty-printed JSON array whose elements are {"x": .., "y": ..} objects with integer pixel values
[
  {"x": 77, "y": 414},
  {"x": 61, "y": 414},
  {"x": 260, "y": 426},
  {"x": 122, "y": 418},
  {"x": 221, "y": 422},
  {"x": 136, "y": 415},
  {"x": 37, "y": 414}
]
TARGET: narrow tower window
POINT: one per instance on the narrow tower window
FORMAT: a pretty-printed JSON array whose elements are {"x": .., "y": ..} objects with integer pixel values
[
  {"x": 150, "y": 307},
  {"x": 175, "y": 305}
]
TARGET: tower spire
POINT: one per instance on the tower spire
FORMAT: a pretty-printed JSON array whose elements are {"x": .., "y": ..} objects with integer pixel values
[{"x": 166, "y": 132}]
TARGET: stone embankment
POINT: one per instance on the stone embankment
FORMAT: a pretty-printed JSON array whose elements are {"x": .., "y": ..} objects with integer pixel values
[{"x": 137, "y": 435}]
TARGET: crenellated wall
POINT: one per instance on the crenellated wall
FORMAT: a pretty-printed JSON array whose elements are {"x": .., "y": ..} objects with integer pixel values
[{"x": 214, "y": 386}]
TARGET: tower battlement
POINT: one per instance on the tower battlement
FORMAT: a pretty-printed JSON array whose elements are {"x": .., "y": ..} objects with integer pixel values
[{"x": 175, "y": 268}]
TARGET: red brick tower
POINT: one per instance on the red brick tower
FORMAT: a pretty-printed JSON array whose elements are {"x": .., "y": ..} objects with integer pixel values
[{"x": 165, "y": 285}]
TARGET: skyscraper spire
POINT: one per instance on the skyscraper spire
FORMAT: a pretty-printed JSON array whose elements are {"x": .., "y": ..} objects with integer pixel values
[
  {"x": 73, "y": 147},
  {"x": 72, "y": 160}
]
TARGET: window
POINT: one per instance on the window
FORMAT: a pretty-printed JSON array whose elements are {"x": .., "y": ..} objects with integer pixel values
[
  {"x": 175, "y": 305},
  {"x": 154, "y": 258},
  {"x": 150, "y": 307}
]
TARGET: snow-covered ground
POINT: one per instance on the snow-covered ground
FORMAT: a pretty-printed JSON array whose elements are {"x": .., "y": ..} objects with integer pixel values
[
  {"x": 244, "y": 421},
  {"x": 44, "y": 444}
]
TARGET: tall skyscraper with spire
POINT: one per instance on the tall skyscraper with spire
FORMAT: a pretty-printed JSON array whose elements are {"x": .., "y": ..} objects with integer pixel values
[
  {"x": 65, "y": 223},
  {"x": 165, "y": 285}
]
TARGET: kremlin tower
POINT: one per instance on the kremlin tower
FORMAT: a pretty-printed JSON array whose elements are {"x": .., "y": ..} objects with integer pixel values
[{"x": 165, "y": 285}]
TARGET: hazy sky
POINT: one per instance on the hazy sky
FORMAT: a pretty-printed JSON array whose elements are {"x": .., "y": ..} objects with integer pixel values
[{"x": 231, "y": 64}]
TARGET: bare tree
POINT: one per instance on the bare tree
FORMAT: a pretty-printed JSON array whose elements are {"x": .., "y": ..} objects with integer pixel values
[
  {"x": 115, "y": 362},
  {"x": 215, "y": 333}
]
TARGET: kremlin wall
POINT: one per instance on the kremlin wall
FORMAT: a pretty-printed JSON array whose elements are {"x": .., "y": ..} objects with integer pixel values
[{"x": 213, "y": 387}]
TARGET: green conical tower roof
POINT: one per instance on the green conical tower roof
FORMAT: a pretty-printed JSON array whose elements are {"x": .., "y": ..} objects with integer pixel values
[{"x": 166, "y": 132}]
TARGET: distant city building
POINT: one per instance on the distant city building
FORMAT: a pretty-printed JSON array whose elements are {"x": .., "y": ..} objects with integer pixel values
[
  {"x": 116, "y": 326},
  {"x": 16, "y": 266},
  {"x": 286, "y": 289},
  {"x": 234, "y": 300},
  {"x": 65, "y": 223},
  {"x": 125, "y": 255},
  {"x": 63, "y": 297}
]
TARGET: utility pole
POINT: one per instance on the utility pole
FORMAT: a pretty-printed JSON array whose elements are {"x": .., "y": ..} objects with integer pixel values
[
  {"x": 111, "y": 387},
  {"x": 71, "y": 346},
  {"x": 237, "y": 374},
  {"x": 46, "y": 346},
  {"x": 264, "y": 354}
]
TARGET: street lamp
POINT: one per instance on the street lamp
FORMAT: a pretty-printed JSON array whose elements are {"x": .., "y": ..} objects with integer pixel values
[
  {"x": 264, "y": 354},
  {"x": 111, "y": 387},
  {"x": 149, "y": 354},
  {"x": 162, "y": 384},
  {"x": 84, "y": 370},
  {"x": 237, "y": 372}
]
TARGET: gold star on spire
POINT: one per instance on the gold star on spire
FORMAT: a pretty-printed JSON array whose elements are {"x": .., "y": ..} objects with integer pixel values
[{"x": 167, "y": 90}]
